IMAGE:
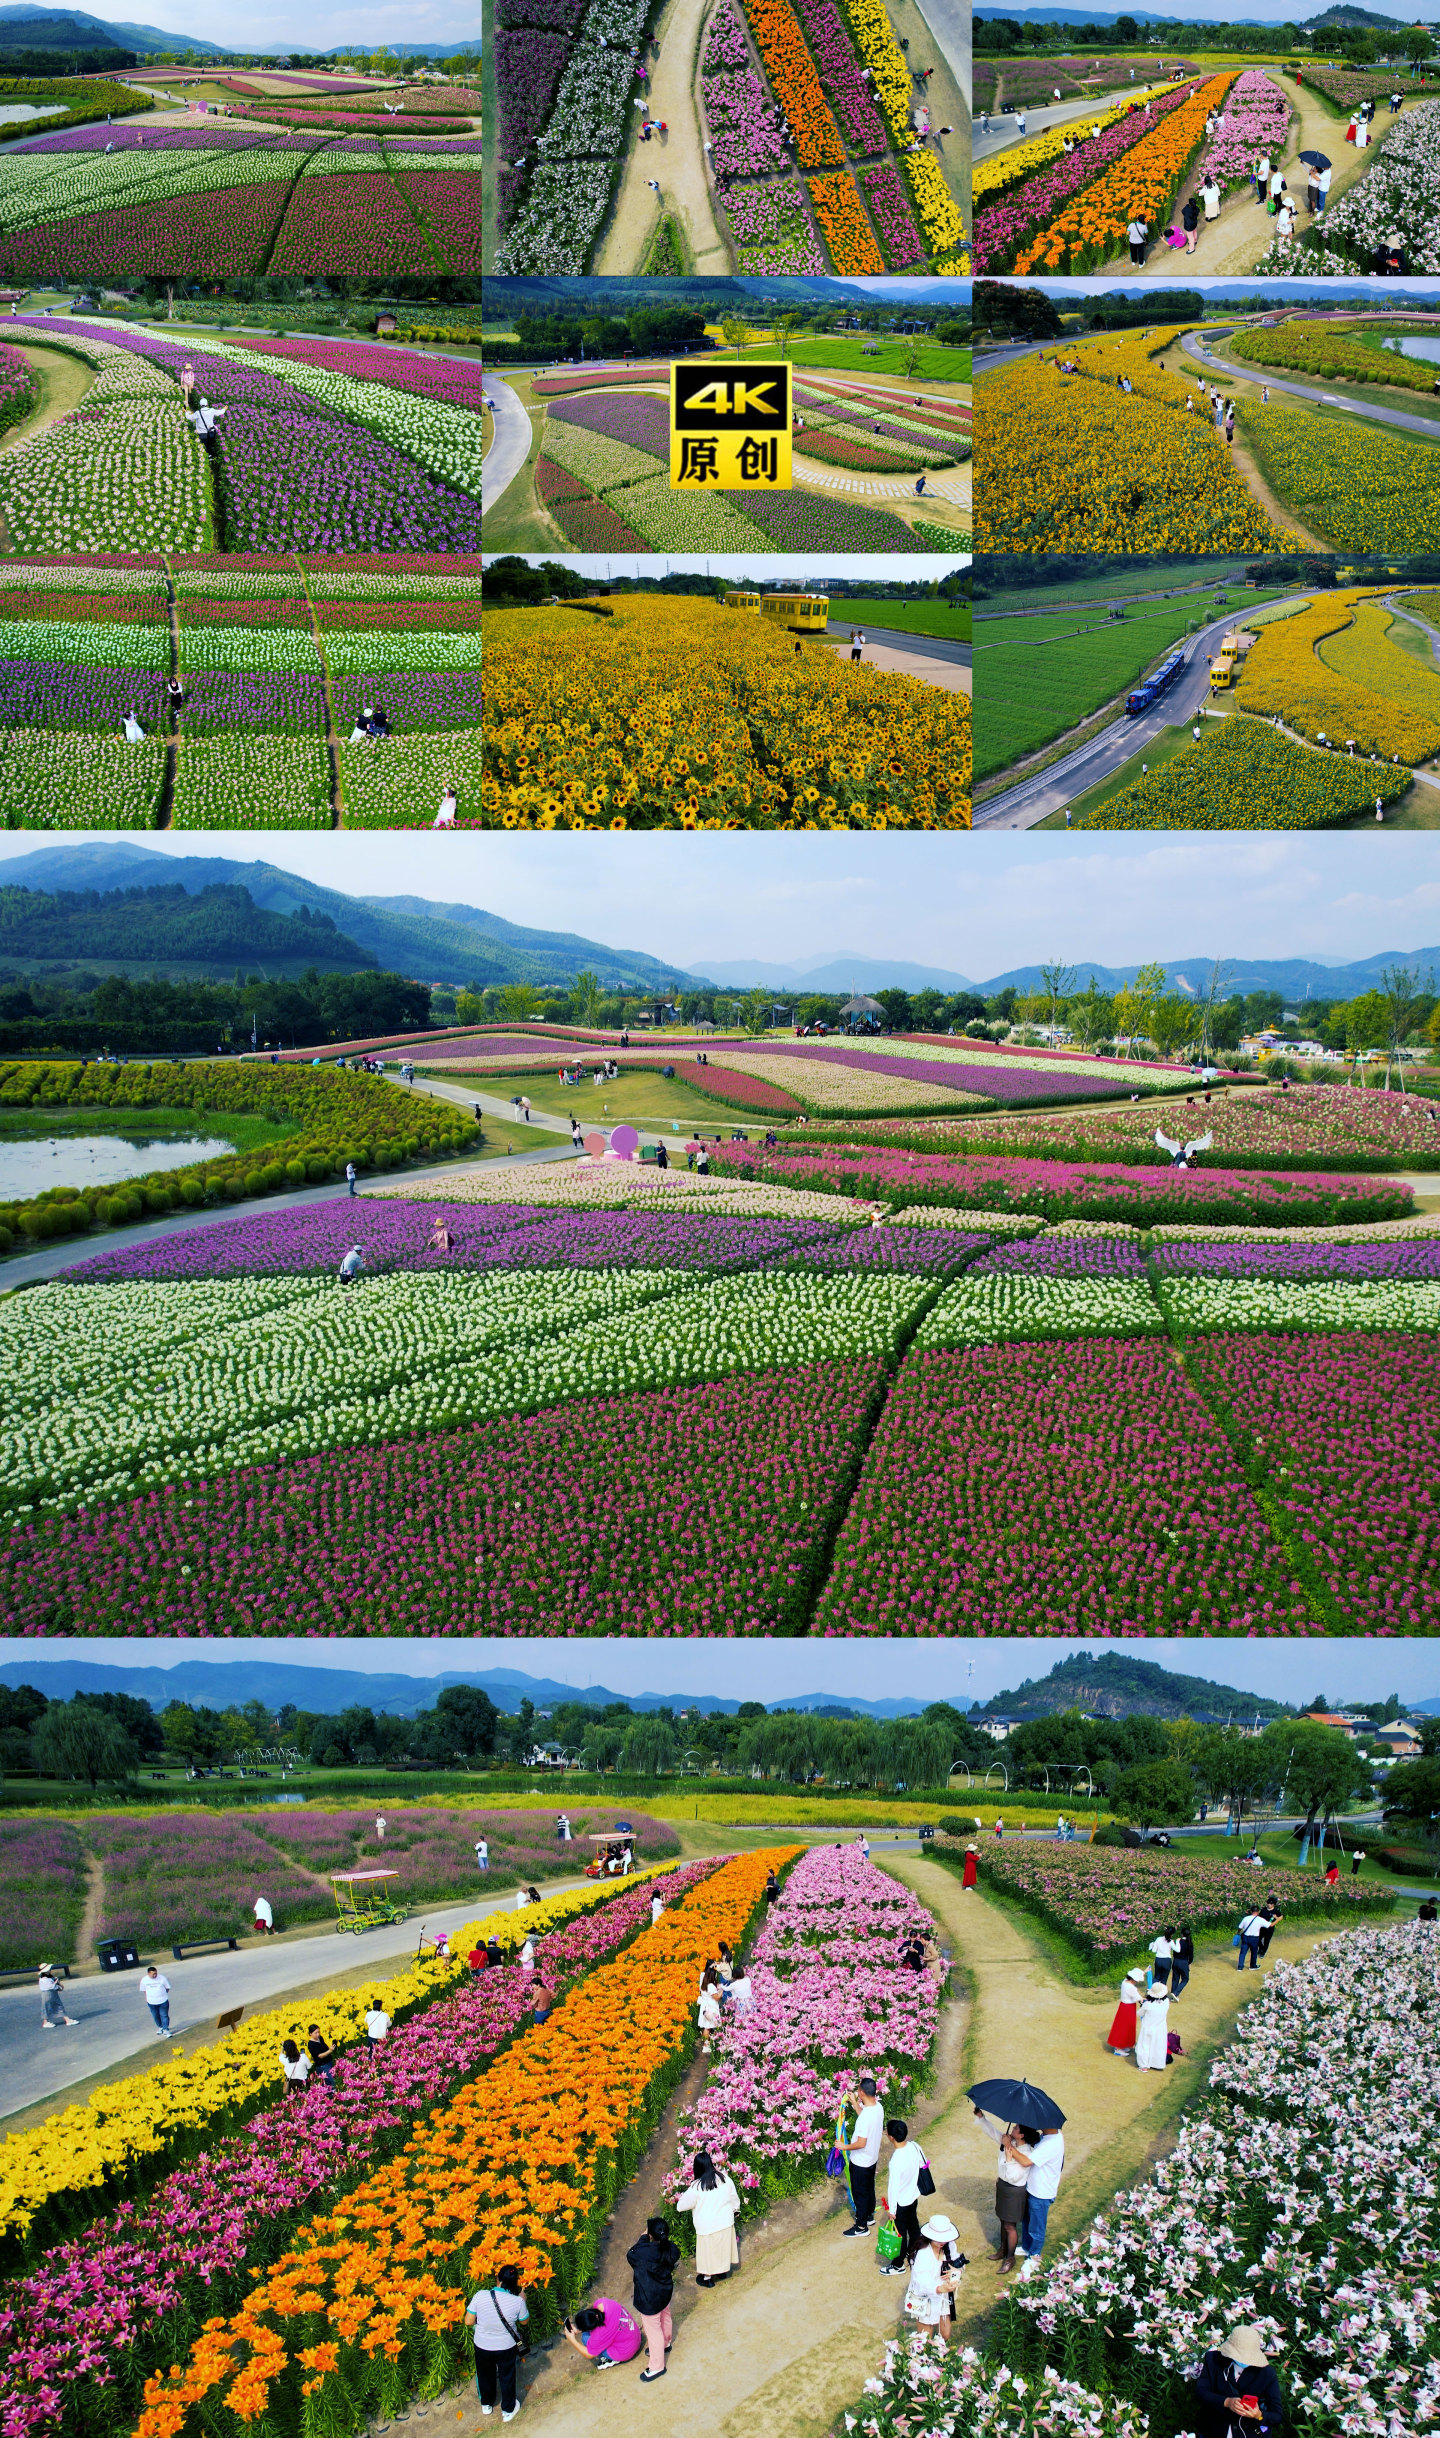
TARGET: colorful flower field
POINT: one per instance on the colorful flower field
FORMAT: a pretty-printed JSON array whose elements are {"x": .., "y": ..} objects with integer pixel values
[
  {"x": 219, "y": 200},
  {"x": 690, "y": 716},
  {"x": 1108, "y": 1904},
  {"x": 603, "y": 478},
  {"x": 567, "y": 2112},
  {"x": 44, "y": 1890},
  {"x": 280, "y": 677},
  {"x": 1346, "y": 2304}
]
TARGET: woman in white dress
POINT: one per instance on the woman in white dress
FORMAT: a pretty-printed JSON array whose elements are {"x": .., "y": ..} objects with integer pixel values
[
  {"x": 935, "y": 2272},
  {"x": 715, "y": 2204},
  {"x": 1152, "y": 2031}
]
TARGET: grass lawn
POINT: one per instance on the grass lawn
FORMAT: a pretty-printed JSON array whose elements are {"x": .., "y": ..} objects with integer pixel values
[
  {"x": 1282, "y": 1849},
  {"x": 909, "y": 617},
  {"x": 1130, "y": 580},
  {"x": 1040, "y": 676},
  {"x": 1162, "y": 748},
  {"x": 892, "y": 356},
  {"x": 639, "y": 1099}
]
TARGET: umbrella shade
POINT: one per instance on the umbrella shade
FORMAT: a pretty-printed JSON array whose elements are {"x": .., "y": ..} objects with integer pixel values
[
  {"x": 1318, "y": 160},
  {"x": 1018, "y": 2102}
]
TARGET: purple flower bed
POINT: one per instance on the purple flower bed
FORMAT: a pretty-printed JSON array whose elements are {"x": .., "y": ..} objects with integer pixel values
[
  {"x": 56, "y": 694},
  {"x": 521, "y": 1843},
  {"x": 642, "y": 422},
  {"x": 835, "y": 57},
  {"x": 42, "y": 1895},
  {"x": 963, "y": 1075},
  {"x": 194, "y": 1877},
  {"x": 1415, "y": 1258},
  {"x": 275, "y": 699},
  {"x": 217, "y": 379},
  {"x": 295, "y": 481},
  {"x": 796, "y": 520},
  {"x": 448, "y": 698},
  {"x": 725, "y": 45},
  {"x": 564, "y": 15},
  {"x": 1002, "y": 227},
  {"x": 773, "y": 216},
  {"x": 449, "y": 144},
  {"x": 910, "y": 433},
  {"x": 1256, "y": 116},
  {"x": 744, "y": 127},
  {"x": 892, "y": 215},
  {"x": 158, "y": 138},
  {"x": 101, "y": 2311},
  {"x": 1066, "y": 1257},
  {"x": 527, "y": 71}
]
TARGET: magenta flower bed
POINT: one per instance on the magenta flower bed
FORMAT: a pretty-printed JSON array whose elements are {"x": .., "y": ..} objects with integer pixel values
[
  {"x": 527, "y": 71},
  {"x": 642, "y": 422},
  {"x": 743, "y": 125},
  {"x": 1111, "y": 1901},
  {"x": 1055, "y": 1189},
  {"x": 835, "y": 56},
  {"x": 354, "y": 223},
  {"x": 1256, "y": 116},
  {"x": 1412, "y": 1257},
  {"x": 683, "y": 1511},
  {"x": 42, "y": 1893},
  {"x": 229, "y": 237},
  {"x": 1001, "y": 228},
  {"x": 455, "y": 382},
  {"x": 1065, "y": 1488},
  {"x": 890, "y": 210},
  {"x": 194, "y": 1876},
  {"x": 98, "y": 2313},
  {"x": 773, "y": 216},
  {"x": 448, "y": 201},
  {"x": 1340, "y": 1427},
  {"x": 520, "y": 1842}
]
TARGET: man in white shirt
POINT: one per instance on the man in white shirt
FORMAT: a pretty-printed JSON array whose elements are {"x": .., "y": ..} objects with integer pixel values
[
  {"x": 863, "y": 2151},
  {"x": 482, "y": 1854},
  {"x": 155, "y": 1990},
  {"x": 1252, "y": 1930},
  {"x": 377, "y": 2024},
  {"x": 1043, "y": 2163},
  {"x": 902, "y": 2193}
]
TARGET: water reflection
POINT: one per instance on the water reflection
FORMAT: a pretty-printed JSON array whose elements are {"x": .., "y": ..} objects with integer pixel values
[{"x": 95, "y": 1159}]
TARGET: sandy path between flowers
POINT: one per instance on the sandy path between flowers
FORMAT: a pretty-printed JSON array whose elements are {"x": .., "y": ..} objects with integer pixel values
[
  {"x": 788, "y": 2343},
  {"x": 1244, "y": 232},
  {"x": 677, "y": 160}
]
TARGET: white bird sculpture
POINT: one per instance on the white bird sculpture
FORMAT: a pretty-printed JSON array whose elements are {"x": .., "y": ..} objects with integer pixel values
[{"x": 1182, "y": 1155}]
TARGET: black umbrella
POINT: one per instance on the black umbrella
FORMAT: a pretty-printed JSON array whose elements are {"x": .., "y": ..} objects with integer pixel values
[
  {"x": 1018, "y": 2102},
  {"x": 1318, "y": 160}
]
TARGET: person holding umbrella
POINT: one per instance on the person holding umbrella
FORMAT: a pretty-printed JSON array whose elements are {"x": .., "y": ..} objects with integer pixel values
[
  {"x": 1314, "y": 163},
  {"x": 1020, "y": 2103},
  {"x": 1009, "y": 2185}
]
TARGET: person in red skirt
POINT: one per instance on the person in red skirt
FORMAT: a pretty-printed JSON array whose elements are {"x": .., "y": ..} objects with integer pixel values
[
  {"x": 972, "y": 1867},
  {"x": 1121, "y": 2035}
]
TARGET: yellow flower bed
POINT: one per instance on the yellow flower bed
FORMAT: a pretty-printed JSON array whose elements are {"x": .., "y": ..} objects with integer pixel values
[
  {"x": 1068, "y": 461},
  {"x": 1008, "y": 168},
  {"x": 882, "y": 55},
  {"x": 686, "y": 715},
  {"x": 1245, "y": 776},
  {"x": 939, "y": 212},
  {"x": 1141, "y": 184},
  {"x": 130, "y": 2123},
  {"x": 858, "y": 1811},
  {"x": 1356, "y": 485},
  {"x": 1332, "y": 353},
  {"x": 1355, "y": 686}
]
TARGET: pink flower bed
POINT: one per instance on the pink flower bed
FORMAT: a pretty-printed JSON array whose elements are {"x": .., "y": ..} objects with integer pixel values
[
  {"x": 1256, "y": 115},
  {"x": 457, "y": 384}
]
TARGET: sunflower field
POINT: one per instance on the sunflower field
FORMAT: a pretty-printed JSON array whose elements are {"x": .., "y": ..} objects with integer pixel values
[
  {"x": 682, "y": 714},
  {"x": 1356, "y": 486},
  {"x": 1245, "y": 776},
  {"x": 1331, "y": 674}
]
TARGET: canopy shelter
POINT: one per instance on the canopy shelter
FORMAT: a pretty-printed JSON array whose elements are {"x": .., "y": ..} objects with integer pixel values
[{"x": 611, "y": 1848}]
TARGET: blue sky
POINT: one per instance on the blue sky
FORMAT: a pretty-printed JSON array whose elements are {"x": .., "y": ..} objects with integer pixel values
[
  {"x": 307, "y": 28},
  {"x": 972, "y": 905},
  {"x": 1284, "y": 1670}
]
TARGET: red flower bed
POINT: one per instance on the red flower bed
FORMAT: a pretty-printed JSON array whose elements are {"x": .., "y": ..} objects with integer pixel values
[
  {"x": 555, "y": 483},
  {"x": 560, "y": 385},
  {"x": 355, "y": 222},
  {"x": 837, "y": 452},
  {"x": 461, "y": 616},
  {"x": 222, "y": 233},
  {"x": 584, "y": 520},
  {"x": 123, "y": 609},
  {"x": 448, "y": 201}
]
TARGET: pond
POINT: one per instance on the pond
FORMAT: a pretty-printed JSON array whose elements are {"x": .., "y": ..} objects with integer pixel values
[
  {"x": 32, "y": 110},
  {"x": 1428, "y": 349},
  {"x": 95, "y": 1159}
]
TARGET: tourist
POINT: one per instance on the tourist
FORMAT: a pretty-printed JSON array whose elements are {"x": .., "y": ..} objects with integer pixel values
[
  {"x": 605, "y": 2332},
  {"x": 264, "y": 1918},
  {"x": 742, "y": 1996},
  {"x": 53, "y": 2017},
  {"x": 713, "y": 2204},
  {"x": 1326, "y": 174},
  {"x": 1137, "y": 233},
  {"x": 377, "y": 2024},
  {"x": 155, "y": 1990},
  {"x": 999, "y": 1831},
  {"x": 1237, "y": 2390},
  {"x": 1210, "y": 197},
  {"x": 350, "y": 1178},
  {"x": 857, "y": 643},
  {"x": 707, "y": 2013},
  {"x": 1429, "y": 1911},
  {"x": 1359, "y": 1854},
  {"x": 1160, "y": 1949},
  {"x": 1272, "y": 1917},
  {"x": 1044, "y": 2163},
  {"x": 1332, "y": 1875},
  {"x": 296, "y": 2069},
  {"x": 1252, "y": 1930},
  {"x": 380, "y": 1827},
  {"x": 494, "y": 1952},
  {"x": 440, "y": 1238},
  {"x": 1152, "y": 2029},
  {"x": 1182, "y": 1958},
  {"x": 175, "y": 694},
  {"x": 657, "y": 1906},
  {"x": 206, "y": 420},
  {"x": 772, "y": 1884},
  {"x": 1277, "y": 188},
  {"x": 449, "y": 807},
  {"x": 863, "y": 2152},
  {"x": 482, "y": 1853},
  {"x": 495, "y": 2314},
  {"x": 902, "y": 2193},
  {"x": 323, "y": 2058},
  {"x": 934, "y": 2275},
  {"x": 351, "y": 1266},
  {"x": 1121, "y": 2035},
  {"x": 527, "y": 1956},
  {"x": 653, "y": 2260},
  {"x": 1262, "y": 177},
  {"x": 971, "y": 1871},
  {"x": 134, "y": 733},
  {"x": 562, "y": 1829}
]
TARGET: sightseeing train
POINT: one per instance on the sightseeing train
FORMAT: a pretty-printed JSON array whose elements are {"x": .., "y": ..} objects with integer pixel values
[{"x": 799, "y": 613}]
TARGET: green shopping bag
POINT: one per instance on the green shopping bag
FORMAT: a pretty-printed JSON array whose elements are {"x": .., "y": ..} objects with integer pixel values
[{"x": 887, "y": 2242}]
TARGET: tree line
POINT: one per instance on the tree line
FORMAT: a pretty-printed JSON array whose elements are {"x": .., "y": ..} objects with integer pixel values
[{"x": 139, "y": 1017}]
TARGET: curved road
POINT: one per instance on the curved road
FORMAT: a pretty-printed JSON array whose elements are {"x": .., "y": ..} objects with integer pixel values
[
  {"x": 922, "y": 647},
  {"x": 511, "y": 445},
  {"x": 1192, "y": 345},
  {"x": 1030, "y": 800}
]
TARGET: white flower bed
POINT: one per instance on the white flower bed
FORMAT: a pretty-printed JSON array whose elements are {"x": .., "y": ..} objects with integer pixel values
[
  {"x": 131, "y": 479},
  {"x": 1371, "y": 1231},
  {"x": 249, "y": 780},
  {"x": 357, "y": 651},
  {"x": 821, "y": 1085},
  {"x": 607, "y": 1185},
  {"x": 16, "y": 576},
  {"x": 89, "y": 643},
  {"x": 1203, "y": 1304},
  {"x": 398, "y": 782},
  {"x": 997, "y": 1223},
  {"x": 242, "y": 648},
  {"x": 1012, "y": 1304},
  {"x": 61, "y": 779},
  {"x": 1300, "y": 2197}
]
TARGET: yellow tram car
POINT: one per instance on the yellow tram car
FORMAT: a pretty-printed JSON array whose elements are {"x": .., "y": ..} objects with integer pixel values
[{"x": 800, "y": 613}]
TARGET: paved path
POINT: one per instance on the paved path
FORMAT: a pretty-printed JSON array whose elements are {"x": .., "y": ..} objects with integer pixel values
[
  {"x": 114, "y": 2023},
  {"x": 510, "y": 447},
  {"x": 911, "y": 656},
  {"x": 1002, "y": 132},
  {"x": 1263, "y": 378},
  {"x": 677, "y": 160},
  {"x": 1030, "y": 800},
  {"x": 953, "y": 486}
]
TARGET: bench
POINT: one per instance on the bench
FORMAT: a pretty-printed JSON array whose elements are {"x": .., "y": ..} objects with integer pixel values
[{"x": 203, "y": 1946}]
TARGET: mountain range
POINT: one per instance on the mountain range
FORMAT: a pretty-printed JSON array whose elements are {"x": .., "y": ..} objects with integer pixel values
[
  {"x": 68, "y": 29},
  {"x": 1328, "y": 18}
]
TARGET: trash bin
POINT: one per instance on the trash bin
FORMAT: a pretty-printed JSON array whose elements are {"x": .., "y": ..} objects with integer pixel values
[{"x": 117, "y": 1955}]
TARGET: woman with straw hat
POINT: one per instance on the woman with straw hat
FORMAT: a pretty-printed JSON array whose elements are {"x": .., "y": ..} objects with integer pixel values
[
  {"x": 935, "y": 2273},
  {"x": 53, "y": 2017},
  {"x": 1237, "y": 2391},
  {"x": 972, "y": 1867}
]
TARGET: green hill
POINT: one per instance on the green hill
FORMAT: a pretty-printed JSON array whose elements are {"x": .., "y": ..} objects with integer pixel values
[
  {"x": 1114, "y": 1686},
  {"x": 165, "y": 929}
]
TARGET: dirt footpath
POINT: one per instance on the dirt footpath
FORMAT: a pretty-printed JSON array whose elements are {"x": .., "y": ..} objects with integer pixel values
[
  {"x": 1245, "y": 231},
  {"x": 676, "y": 160}
]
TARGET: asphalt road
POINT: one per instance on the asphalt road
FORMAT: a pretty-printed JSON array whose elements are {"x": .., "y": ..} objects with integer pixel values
[
  {"x": 949, "y": 22},
  {"x": 510, "y": 446},
  {"x": 921, "y": 647},
  {"x": 1032, "y": 799},
  {"x": 1003, "y": 131},
  {"x": 1262, "y": 377}
]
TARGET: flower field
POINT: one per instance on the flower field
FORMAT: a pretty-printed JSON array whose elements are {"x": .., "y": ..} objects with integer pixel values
[
  {"x": 1397, "y": 202},
  {"x": 229, "y": 199},
  {"x": 1109, "y": 1903},
  {"x": 831, "y": 2001},
  {"x": 1018, "y": 191},
  {"x": 685, "y": 715},
  {"x": 1320, "y": 1126},
  {"x": 1243, "y": 775},
  {"x": 1357, "y": 486},
  {"x": 1069, "y": 461},
  {"x": 191, "y": 2244},
  {"x": 1333, "y": 673},
  {"x": 1143, "y": 183},
  {"x": 1346, "y": 2304},
  {"x": 44, "y": 1890},
  {"x": 276, "y": 677},
  {"x": 372, "y": 2293}
]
